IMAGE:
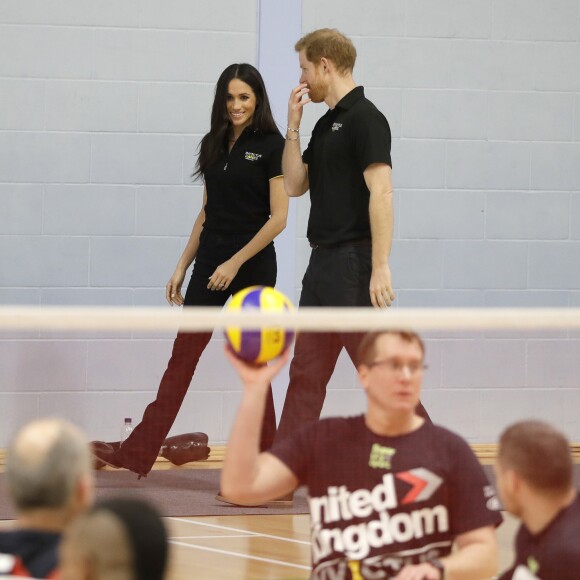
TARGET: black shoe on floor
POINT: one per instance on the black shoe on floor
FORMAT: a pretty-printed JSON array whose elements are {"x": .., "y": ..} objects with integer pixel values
[
  {"x": 107, "y": 456},
  {"x": 99, "y": 448}
]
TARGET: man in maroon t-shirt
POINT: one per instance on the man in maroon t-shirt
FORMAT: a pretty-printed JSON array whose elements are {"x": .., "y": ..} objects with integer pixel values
[
  {"x": 534, "y": 480},
  {"x": 390, "y": 494}
]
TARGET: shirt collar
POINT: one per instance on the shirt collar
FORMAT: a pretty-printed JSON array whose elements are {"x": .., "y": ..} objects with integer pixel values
[
  {"x": 351, "y": 98},
  {"x": 249, "y": 130}
]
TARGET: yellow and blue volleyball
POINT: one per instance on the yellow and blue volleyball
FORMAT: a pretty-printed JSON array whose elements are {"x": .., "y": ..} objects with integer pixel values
[{"x": 264, "y": 344}]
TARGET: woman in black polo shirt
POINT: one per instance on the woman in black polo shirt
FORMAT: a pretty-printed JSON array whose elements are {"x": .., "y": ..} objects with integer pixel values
[{"x": 244, "y": 209}]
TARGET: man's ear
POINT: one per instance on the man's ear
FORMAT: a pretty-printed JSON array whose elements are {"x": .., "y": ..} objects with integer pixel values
[
  {"x": 325, "y": 64},
  {"x": 363, "y": 376},
  {"x": 85, "y": 491},
  {"x": 89, "y": 568},
  {"x": 513, "y": 480}
]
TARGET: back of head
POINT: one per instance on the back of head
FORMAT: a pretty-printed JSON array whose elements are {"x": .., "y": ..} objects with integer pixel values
[
  {"x": 44, "y": 464},
  {"x": 118, "y": 539},
  {"x": 539, "y": 454},
  {"x": 331, "y": 44}
]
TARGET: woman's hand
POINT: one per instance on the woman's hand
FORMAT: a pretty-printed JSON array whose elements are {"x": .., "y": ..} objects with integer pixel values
[
  {"x": 173, "y": 288},
  {"x": 223, "y": 275}
]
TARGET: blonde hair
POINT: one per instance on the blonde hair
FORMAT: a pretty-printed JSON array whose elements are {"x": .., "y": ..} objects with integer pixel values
[
  {"x": 367, "y": 348},
  {"x": 331, "y": 44}
]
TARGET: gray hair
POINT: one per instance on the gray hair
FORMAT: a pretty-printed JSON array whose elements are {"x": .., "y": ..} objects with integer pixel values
[{"x": 44, "y": 463}]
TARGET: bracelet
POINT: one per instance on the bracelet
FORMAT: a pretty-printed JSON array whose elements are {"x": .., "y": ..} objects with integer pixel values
[
  {"x": 438, "y": 565},
  {"x": 291, "y": 138},
  {"x": 293, "y": 130}
]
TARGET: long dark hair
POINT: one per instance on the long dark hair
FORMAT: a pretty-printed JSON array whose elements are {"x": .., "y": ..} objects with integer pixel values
[{"x": 214, "y": 143}]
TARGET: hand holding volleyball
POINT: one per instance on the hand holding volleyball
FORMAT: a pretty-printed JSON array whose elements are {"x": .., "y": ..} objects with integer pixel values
[{"x": 264, "y": 344}]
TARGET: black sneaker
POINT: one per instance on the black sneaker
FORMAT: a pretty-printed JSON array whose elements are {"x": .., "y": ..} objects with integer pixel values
[{"x": 105, "y": 456}]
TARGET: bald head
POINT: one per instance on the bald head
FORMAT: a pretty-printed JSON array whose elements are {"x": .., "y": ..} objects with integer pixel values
[{"x": 45, "y": 461}]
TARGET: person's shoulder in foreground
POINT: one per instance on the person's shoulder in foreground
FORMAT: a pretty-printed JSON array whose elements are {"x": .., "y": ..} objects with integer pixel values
[
  {"x": 534, "y": 473},
  {"x": 29, "y": 553}
]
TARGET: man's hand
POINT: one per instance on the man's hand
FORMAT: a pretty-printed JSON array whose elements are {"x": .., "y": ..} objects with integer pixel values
[
  {"x": 378, "y": 179},
  {"x": 254, "y": 375},
  {"x": 296, "y": 104},
  {"x": 423, "y": 571},
  {"x": 381, "y": 290}
]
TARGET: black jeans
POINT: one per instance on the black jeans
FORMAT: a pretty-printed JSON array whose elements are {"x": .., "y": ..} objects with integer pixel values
[
  {"x": 140, "y": 450},
  {"x": 337, "y": 277}
]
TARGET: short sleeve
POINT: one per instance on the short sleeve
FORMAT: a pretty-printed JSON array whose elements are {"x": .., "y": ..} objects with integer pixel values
[
  {"x": 296, "y": 449},
  {"x": 307, "y": 154},
  {"x": 275, "y": 161},
  {"x": 474, "y": 503},
  {"x": 507, "y": 575},
  {"x": 371, "y": 137}
]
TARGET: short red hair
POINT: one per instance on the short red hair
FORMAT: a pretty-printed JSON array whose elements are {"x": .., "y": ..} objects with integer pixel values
[{"x": 331, "y": 44}]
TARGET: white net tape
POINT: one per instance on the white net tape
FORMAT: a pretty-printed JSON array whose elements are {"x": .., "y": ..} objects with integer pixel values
[{"x": 320, "y": 319}]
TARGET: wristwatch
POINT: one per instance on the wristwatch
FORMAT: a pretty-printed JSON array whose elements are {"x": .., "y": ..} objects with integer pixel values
[{"x": 436, "y": 563}]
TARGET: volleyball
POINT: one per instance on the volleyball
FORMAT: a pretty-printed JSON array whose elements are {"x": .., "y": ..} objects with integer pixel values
[{"x": 264, "y": 344}]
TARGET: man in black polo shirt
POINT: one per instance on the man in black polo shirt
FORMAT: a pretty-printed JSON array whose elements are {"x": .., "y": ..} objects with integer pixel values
[
  {"x": 534, "y": 480},
  {"x": 347, "y": 168}
]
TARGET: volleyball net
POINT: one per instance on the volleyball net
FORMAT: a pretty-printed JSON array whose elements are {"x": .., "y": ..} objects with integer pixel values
[{"x": 487, "y": 368}]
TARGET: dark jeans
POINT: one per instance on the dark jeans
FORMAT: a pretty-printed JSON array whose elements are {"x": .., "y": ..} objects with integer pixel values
[
  {"x": 336, "y": 277},
  {"x": 140, "y": 450}
]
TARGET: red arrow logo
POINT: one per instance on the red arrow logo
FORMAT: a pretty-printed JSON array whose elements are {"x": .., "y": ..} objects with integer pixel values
[{"x": 423, "y": 482}]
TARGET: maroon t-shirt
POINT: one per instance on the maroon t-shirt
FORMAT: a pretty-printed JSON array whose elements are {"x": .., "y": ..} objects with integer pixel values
[
  {"x": 553, "y": 554},
  {"x": 378, "y": 503}
]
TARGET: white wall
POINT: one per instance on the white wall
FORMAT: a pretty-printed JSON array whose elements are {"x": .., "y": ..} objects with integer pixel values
[{"x": 102, "y": 105}]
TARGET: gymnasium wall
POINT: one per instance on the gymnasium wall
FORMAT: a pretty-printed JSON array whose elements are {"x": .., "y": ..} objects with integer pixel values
[{"x": 102, "y": 105}]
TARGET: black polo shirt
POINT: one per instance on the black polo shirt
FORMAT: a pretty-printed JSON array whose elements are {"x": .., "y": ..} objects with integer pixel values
[
  {"x": 238, "y": 186},
  {"x": 344, "y": 142}
]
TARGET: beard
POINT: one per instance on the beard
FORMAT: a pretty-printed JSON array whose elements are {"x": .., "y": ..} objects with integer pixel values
[{"x": 317, "y": 93}]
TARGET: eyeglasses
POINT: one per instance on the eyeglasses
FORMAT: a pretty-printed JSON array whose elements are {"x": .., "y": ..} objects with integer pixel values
[{"x": 396, "y": 366}]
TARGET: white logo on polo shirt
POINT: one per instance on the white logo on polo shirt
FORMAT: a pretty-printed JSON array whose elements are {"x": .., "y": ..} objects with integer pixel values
[
  {"x": 336, "y": 126},
  {"x": 252, "y": 156}
]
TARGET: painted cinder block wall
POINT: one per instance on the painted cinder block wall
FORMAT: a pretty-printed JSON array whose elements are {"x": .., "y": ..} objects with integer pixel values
[{"x": 102, "y": 106}]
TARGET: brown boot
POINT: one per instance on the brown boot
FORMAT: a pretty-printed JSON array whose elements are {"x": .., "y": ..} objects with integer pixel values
[{"x": 184, "y": 448}]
